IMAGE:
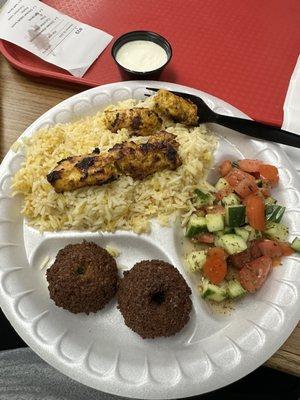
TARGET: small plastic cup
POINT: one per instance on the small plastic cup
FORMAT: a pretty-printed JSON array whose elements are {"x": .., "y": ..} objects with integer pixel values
[{"x": 141, "y": 35}]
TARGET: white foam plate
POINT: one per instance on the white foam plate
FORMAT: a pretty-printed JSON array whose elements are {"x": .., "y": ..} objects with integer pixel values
[{"x": 98, "y": 350}]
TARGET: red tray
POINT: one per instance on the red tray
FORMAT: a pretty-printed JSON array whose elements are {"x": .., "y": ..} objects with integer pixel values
[{"x": 241, "y": 51}]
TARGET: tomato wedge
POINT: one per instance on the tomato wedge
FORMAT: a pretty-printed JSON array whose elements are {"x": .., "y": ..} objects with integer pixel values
[
  {"x": 237, "y": 175},
  {"x": 225, "y": 167},
  {"x": 243, "y": 183},
  {"x": 246, "y": 187},
  {"x": 207, "y": 238},
  {"x": 215, "y": 269},
  {"x": 239, "y": 260},
  {"x": 254, "y": 248},
  {"x": 270, "y": 173},
  {"x": 217, "y": 251},
  {"x": 286, "y": 248},
  {"x": 270, "y": 248},
  {"x": 249, "y": 165},
  {"x": 255, "y": 211},
  {"x": 253, "y": 275},
  {"x": 255, "y": 174}
]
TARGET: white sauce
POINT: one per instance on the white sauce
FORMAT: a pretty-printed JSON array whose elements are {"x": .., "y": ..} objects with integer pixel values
[{"x": 141, "y": 56}]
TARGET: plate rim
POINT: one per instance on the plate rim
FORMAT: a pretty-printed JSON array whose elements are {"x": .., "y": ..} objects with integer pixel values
[{"x": 51, "y": 359}]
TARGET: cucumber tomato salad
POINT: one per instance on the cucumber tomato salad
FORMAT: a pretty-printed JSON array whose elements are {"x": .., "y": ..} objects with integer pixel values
[{"x": 238, "y": 231}]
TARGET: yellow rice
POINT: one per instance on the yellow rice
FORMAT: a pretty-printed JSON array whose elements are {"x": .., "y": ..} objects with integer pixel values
[{"x": 124, "y": 204}]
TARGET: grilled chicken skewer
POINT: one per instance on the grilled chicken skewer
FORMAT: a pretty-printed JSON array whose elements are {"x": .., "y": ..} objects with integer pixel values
[
  {"x": 136, "y": 160},
  {"x": 141, "y": 160},
  {"x": 75, "y": 172},
  {"x": 138, "y": 121},
  {"x": 176, "y": 108}
]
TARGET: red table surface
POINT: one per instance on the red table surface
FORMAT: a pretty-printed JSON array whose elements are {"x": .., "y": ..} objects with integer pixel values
[{"x": 241, "y": 51}]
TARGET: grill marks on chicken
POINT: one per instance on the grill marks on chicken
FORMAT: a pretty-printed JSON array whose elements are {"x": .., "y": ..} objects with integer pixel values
[
  {"x": 136, "y": 160},
  {"x": 128, "y": 158},
  {"x": 141, "y": 160},
  {"x": 144, "y": 121},
  {"x": 80, "y": 171},
  {"x": 176, "y": 108},
  {"x": 138, "y": 121}
]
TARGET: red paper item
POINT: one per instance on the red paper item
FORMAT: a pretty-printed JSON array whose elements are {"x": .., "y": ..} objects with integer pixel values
[{"x": 241, "y": 51}]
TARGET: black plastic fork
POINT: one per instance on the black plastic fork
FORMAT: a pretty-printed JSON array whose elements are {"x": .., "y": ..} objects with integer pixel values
[{"x": 245, "y": 126}]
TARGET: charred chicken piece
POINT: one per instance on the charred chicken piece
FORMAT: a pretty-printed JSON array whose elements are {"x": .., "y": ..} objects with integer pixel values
[
  {"x": 128, "y": 158},
  {"x": 79, "y": 171},
  {"x": 176, "y": 108},
  {"x": 141, "y": 160},
  {"x": 138, "y": 121}
]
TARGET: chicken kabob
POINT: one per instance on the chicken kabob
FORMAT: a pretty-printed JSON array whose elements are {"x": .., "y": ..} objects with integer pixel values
[{"x": 128, "y": 158}]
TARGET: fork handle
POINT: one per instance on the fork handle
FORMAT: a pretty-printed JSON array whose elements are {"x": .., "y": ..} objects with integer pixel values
[{"x": 258, "y": 130}]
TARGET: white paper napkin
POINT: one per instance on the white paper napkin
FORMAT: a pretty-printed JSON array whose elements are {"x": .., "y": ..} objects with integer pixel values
[
  {"x": 291, "y": 109},
  {"x": 51, "y": 35}
]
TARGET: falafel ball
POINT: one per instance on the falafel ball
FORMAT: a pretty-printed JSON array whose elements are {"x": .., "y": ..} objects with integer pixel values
[
  {"x": 154, "y": 299},
  {"x": 83, "y": 278}
]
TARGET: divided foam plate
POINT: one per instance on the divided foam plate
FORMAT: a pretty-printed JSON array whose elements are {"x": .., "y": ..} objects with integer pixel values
[{"x": 99, "y": 350}]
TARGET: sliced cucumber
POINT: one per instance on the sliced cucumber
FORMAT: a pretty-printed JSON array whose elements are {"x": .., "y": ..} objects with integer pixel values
[
  {"x": 235, "y": 289},
  {"x": 227, "y": 229},
  {"x": 270, "y": 200},
  {"x": 232, "y": 243},
  {"x": 221, "y": 184},
  {"x": 196, "y": 260},
  {"x": 296, "y": 244},
  {"x": 253, "y": 234},
  {"x": 274, "y": 212},
  {"x": 235, "y": 215},
  {"x": 217, "y": 241},
  {"x": 204, "y": 198},
  {"x": 214, "y": 222},
  {"x": 276, "y": 231},
  {"x": 230, "y": 200},
  {"x": 196, "y": 225},
  {"x": 212, "y": 292},
  {"x": 243, "y": 233},
  {"x": 219, "y": 234},
  {"x": 251, "y": 231}
]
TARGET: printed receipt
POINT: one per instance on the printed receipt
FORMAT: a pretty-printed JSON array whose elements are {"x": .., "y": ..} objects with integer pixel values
[{"x": 51, "y": 35}]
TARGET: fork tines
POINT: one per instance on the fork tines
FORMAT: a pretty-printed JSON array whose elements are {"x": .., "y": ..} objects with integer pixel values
[{"x": 152, "y": 89}]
